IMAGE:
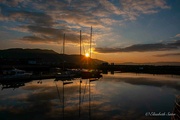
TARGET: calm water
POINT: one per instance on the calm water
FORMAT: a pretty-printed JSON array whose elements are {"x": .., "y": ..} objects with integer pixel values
[{"x": 120, "y": 96}]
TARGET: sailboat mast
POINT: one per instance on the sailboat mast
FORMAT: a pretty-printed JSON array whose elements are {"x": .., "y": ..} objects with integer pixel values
[
  {"x": 64, "y": 44},
  {"x": 80, "y": 42},
  {"x": 90, "y": 41}
]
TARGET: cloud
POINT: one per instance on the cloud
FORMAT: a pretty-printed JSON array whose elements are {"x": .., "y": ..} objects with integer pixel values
[
  {"x": 177, "y": 36},
  {"x": 46, "y": 21},
  {"x": 44, "y": 30},
  {"x": 80, "y": 12},
  {"x": 12, "y": 3},
  {"x": 133, "y": 8},
  {"x": 36, "y": 39},
  {"x": 110, "y": 7},
  {"x": 142, "y": 47},
  {"x": 76, "y": 12},
  {"x": 80, "y": 19},
  {"x": 25, "y": 16},
  {"x": 108, "y": 21},
  {"x": 47, "y": 34},
  {"x": 166, "y": 55}
]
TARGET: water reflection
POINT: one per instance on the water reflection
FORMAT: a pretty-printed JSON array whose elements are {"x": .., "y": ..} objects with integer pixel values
[
  {"x": 12, "y": 85},
  {"x": 148, "y": 80},
  {"x": 118, "y": 96}
]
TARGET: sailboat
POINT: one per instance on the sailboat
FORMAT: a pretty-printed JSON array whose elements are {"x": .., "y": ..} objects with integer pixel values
[
  {"x": 90, "y": 73},
  {"x": 64, "y": 74},
  {"x": 14, "y": 75}
]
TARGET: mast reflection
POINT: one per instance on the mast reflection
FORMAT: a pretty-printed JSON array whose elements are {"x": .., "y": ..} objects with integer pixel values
[{"x": 81, "y": 98}]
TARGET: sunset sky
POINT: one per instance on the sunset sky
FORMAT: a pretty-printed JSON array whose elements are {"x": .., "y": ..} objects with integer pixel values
[{"x": 137, "y": 31}]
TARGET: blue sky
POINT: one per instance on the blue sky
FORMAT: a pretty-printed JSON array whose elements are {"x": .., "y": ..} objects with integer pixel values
[{"x": 121, "y": 28}]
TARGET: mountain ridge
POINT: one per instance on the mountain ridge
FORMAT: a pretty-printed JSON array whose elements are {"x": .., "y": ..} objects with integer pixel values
[
  {"x": 152, "y": 63},
  {"x": 45, "y": 55}
]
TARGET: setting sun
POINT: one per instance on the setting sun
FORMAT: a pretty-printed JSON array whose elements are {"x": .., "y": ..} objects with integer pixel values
[{"x": 87, "y": 54}]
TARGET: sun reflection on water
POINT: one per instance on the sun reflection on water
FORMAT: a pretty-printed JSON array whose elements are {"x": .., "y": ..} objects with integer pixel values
[{"x": 115, "y": 96}]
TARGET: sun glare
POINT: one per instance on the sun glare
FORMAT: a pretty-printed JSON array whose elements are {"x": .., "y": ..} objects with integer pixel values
[{"x": 87, "y": 54}]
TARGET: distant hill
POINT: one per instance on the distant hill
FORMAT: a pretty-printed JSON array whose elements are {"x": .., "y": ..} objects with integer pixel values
[
  {"x": 153, "y": 63},
  {"x": 43, "y": 56}
]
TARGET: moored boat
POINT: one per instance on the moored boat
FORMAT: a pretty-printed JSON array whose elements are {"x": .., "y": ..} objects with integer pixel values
[
  {"x": 65, "y": 75},
  {"x": 90, "y": 74},
  {"x": 15, "y": 74}
]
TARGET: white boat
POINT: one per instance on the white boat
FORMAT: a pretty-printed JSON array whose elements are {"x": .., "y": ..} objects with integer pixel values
[{"x": 16, "y": 74}]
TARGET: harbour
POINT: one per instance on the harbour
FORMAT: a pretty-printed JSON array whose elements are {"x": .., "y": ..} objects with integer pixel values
[
  {"x": 89, "y": 60},
  {"x": 118, "y": 96}
]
